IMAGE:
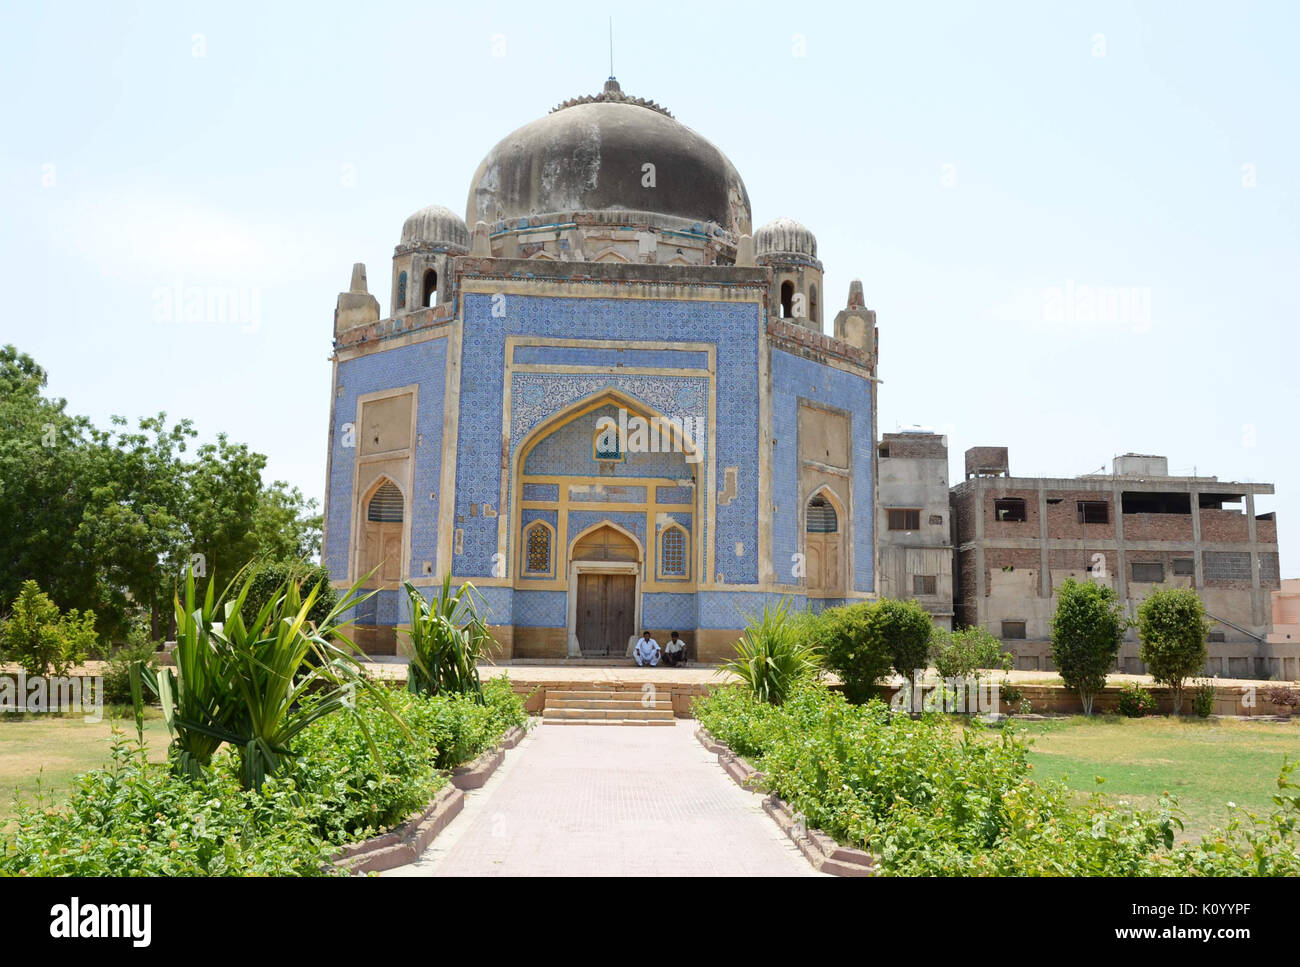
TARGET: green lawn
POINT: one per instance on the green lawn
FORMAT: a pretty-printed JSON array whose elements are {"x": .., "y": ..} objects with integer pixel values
[
  {"x": 51, "y": 749},
  {"x": 1204, "y": 763}
]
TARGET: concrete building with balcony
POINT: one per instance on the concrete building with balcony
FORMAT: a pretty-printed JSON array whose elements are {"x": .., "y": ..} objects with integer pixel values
[{"x": 1137, "y": 528}]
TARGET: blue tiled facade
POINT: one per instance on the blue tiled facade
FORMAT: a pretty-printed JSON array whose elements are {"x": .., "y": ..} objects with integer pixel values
[
  {"x": 793, "y": 378},
  {"x": 423, "y": 365},
  {"x": 727, "y": 394}
]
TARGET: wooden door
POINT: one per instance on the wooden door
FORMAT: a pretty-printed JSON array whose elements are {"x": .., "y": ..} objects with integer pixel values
[
  {"x": 620, "y": 612},
  {"x": 381, "y": 548},
  {"x": 606, "y": 613}
]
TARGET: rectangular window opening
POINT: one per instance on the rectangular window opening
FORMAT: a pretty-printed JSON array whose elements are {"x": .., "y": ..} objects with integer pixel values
[
  {"x": 1093, "y": 512},
  {"x": 1155, "y": 502},
  {"x": 1010, "y": 509},
  {"x": 1013, "y": 629},
  {"x": 1147, "y": 573},
  {"x": 901, "y": 519}
]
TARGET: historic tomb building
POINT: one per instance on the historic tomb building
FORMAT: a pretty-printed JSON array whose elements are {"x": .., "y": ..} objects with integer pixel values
[{"x": 604, "y": 399}]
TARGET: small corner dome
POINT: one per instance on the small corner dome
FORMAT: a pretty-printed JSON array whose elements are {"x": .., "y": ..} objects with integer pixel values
[
  {"x": 785, "y": 236},
  {"x": 435, "y": 225}
]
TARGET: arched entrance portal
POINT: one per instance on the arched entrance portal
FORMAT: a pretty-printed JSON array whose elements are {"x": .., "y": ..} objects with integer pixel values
[{"x": 606, "y": 564}]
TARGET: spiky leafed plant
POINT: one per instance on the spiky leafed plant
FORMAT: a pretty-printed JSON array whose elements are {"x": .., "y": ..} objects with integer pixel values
[
  {"x": 772, "y": 657},
  {"x": 448, "y": 640},
  {"x": 248, "y": 683},
  {"x": 197, "y": 705}
]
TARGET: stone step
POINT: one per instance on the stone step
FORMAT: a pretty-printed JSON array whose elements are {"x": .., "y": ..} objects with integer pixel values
[
  {"x": 607, "y": 703},
  {"x": 600, "y": 713},
  {"x": 555, "y": 721}
]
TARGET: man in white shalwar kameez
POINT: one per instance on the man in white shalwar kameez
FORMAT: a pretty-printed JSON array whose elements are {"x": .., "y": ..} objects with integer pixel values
[{"x": 646, "y": 651}]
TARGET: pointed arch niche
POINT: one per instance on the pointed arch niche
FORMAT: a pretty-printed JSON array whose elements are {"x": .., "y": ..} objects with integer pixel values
[
  {"x": 381, "y": 533},
  {"x": 825, "y": 544}
]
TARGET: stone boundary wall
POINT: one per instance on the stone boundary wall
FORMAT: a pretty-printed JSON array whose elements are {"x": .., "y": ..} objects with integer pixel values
[{"x": 1056, "y": 699}]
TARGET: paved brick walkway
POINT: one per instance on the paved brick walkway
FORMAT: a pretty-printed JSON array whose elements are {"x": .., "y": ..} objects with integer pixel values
[{"x": 616, "y": 800}]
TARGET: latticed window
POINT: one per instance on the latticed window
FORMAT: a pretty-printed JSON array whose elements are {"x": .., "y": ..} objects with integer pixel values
[
  {"x": 607, "y": 445},
  {"x": 673, "y": 552},
  {"x": 539, "y": 549},
  {"x": 386, "y": 504},
  {"x": 821, "y": 517},
  {"x": 401, "y": 290}
]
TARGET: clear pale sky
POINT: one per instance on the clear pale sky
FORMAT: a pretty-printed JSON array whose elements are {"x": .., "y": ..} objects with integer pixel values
[{"x": 976, "y": 165}]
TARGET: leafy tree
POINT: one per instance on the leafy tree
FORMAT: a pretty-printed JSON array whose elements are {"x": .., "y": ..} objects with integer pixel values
[
  {"x": 1173, "y": 630},
  {"x": 1087, "y": 630},
  {"x": 287, "y": 526},
  {"x": 105, "y": 519},
  {"x": 134, "y": 532},
  {"x": 962, "y": 654},
  {"x": 41, "y": 639},
  {"x": 44, "y": 488},
  {"x": 904, "y": 627}
]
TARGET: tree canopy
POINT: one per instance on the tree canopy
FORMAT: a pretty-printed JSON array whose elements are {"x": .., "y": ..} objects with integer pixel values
[{"x": 105, "y": 519}]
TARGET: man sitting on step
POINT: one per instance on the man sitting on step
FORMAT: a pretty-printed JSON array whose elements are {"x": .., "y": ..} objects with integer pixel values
[
  {"x": 646, "y": 650},
  {"x": 674, "y": 651}
]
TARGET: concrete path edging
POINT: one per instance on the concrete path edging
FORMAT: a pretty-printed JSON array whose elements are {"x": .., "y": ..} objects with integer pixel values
[
  {"x": 406, "y": 842},
  {"x": 821, "y": 851}
]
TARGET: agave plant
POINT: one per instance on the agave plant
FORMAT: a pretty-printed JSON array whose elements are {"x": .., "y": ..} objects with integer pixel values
[
  {"x": 448, "y": 640},
  {"x": 257, "y": 685},
  {"x": 772, "y": 657}
]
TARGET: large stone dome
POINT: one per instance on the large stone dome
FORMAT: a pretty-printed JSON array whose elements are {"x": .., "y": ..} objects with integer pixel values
[{"x": 589, "y": 154}]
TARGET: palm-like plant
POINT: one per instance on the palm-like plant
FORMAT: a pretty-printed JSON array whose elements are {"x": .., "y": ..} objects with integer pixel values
[
  {"x": 448, "y": 640},
  {"x": 196, "y": 703},
  {"x": 772, "y": 657},
  {"x": 257, "y": 685}
]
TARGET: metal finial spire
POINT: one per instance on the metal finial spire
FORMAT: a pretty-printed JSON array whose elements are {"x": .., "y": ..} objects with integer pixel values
[{"x": 611, "y": 45}]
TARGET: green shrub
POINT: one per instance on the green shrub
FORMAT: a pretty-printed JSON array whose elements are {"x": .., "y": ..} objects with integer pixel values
[
  {"x": 40, "y": 638},
  {"x": 965, "y": 653},
  {"x": 507, "y": 708},
  {"x": 1203, "y": 697},
  {"x": 267, "y": 579},
  {"x": 1173, "y": 630},
  {"x": 352, "y": 790},
  {"x": 1087, "y": 630},
  {"x": 850, "y": 644},
  {"x": 117, "y": 668},
  {"x": 1009, "y": 693},
  {"x": 772, "y": 657},
  {"x": 1135, "y": 701},
  {"x": 931, "y": 799},
  {"x": 733, "y": 716},
  {"x": 905, "y": 629},
  {"x": 134, "y": 818},
  {"x": 351, "y": 776}
]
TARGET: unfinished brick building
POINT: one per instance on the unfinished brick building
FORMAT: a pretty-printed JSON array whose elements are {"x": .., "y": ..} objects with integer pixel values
[{"x": 1018, "y": 539}]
